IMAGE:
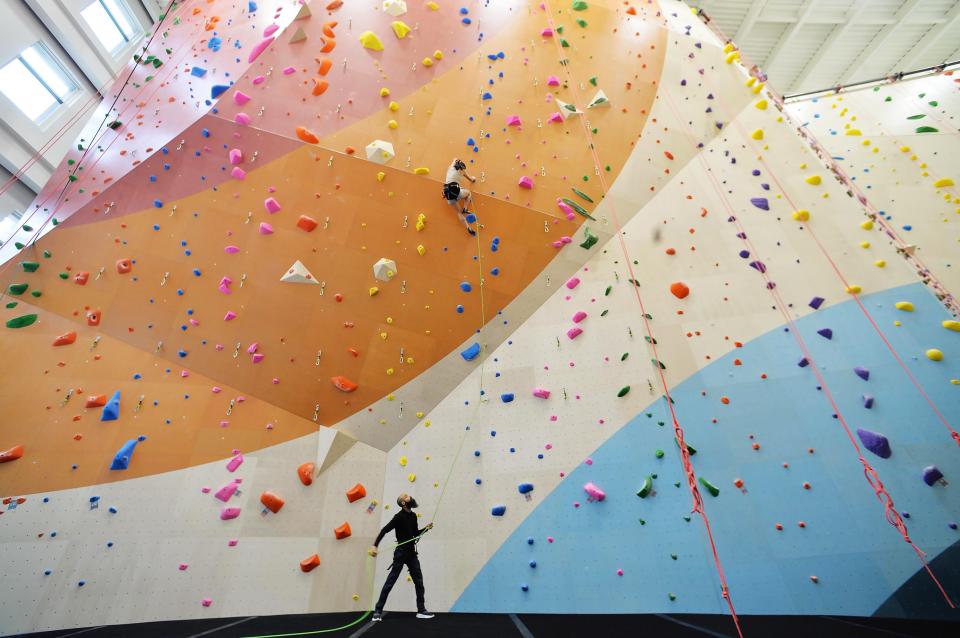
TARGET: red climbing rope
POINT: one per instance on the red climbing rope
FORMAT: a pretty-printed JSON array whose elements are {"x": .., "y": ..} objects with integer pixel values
[
  {"x": 677, "y": 429},
  {"x": 891, "y": 514}
]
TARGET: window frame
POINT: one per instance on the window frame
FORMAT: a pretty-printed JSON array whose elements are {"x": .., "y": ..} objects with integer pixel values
[
  {"x": 127, "y": 41},
  {"x": 65, "y": 75}
]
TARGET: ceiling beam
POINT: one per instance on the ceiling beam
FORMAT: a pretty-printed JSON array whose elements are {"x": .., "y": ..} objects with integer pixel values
[
  {"x": 749, "y": 20},
  {"x": 914, "y": 58},
  {"x": 805, "y": 10},
  {"x": 826, "y": 50},
  {"x": 877, "y": 43}
]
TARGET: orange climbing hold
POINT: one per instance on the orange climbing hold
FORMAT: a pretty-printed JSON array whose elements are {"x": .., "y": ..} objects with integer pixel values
[
  {"x": 81, "y": 278},
  {"x": 65, "y": 339},
  {"x": 306, "y": 223},
  {"x": 328, "y": 28},
  {"x": 343, "y": 531},
  {"x": 333, "y": 6},
  {"x": 305, "y": 472},
  {"x": 12, "y": 454},
  {"x": 271, "y": 501},
  {"x": 320, "y": 86},
  {"x": 343, "y": 384},
  {"x": 307, "y": 135},
  {"x": 310, "y": 563},
  {"x": 356, "y": 492},
  {"x": 679, "y": 290},
  {"x": 325, "y": 65},
  {"x": 93, "y": 317},
  {"x": 124, "y": 266},
  {"x": 96, "y": 401},
  {"x": 329, "y": 44}
]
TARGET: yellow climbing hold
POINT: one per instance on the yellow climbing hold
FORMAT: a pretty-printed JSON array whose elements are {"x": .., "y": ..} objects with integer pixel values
[
  {"x": 373, "y": 290},
  {"x": 427, "y": 62},
  {"x": 950, "y": 324},
  {"x": 905, "y": 306},
  {"x": 400, "y": 29},
  {"x": 943, "y": 183},
  {"x": 403, "y": 461},
  {"x": 934, "y": 355},
  {"x": 758, "y": 134},
  {"x": 904, "y": 149},
  {"x": 880, "y": 263},
  {"x": 421, "y": 170},
  {"x": 381, "y": 176},
  {"x": 394, "y": 106},
  {"x": 384, "y": 92},
  {"x": 421, "y": 250},
  {"x": 866, "y": 224},
  {"x": 389, "y": 372},
  {"x": 728, "y": 47},
  {"x": 801, "y": 215},
  {"x": 433, "y": 6},
  {"x": 411, "y": 477},
  {"x": 864, "y": 244},
  {"x": 369, "y": 40},
  {"x": 438, "y": 54},
  {"x": 853, "y": 289},
  {"x": 420, "y": 414},
  {"x": 761, "y": 104},
  {"x": 392, "y": 124},
  {"x": 733, "y": 55},
  {"x": 853, "y": 131},
  {"x": 813, "y": 180},
  {"x": 751, "y": 81},
  {"x": 757, "y": 88}
]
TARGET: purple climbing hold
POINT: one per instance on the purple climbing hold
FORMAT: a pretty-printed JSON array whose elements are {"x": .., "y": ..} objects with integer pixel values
[
  {"x": 760, "y": 202},
  {"x": 931, "y": 475},
  {"x": 758, "y": 265},
  {"x": 816, "y": 302},
  {"x": 875, "y": 442},
  {"x": 868, "y": 401},
  {"x": 826, "y": 333},
  {"x": 862, "y": 372},
  {"x": 804, "y": 362},
  {"x": 744, "y": 253}
]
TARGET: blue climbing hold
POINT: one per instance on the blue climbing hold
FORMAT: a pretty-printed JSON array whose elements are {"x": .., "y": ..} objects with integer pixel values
[
  {"x": 471, "y": 353},
  {"x": 525, "y": 488},
  {"x": 198, "y": 71},
  {"x": 121, "y": 460},
  {"x": 826, "y": 333},
  {"x": 217, "y": 90},
  {"x": 470, "y": 217},
  {"x": 498, "y": 510},
  {"x": 465, "y": 286},
  {"x": 111, "y": 411},
  {"x": 506, "y": 397}
]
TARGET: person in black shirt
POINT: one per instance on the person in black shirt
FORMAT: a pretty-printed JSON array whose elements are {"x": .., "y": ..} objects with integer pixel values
[{"x": 404, "y": 523}]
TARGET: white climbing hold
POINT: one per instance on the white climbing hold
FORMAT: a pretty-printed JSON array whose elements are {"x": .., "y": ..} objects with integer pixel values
[
  {"x": 380, "y": 151},
  {"x": 298, "y": 274},
  {"x": 385, "y": 269}
]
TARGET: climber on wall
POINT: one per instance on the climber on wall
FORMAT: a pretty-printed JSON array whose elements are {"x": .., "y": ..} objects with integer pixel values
[
  {"x": 404, "y": 523},
  {"x": 455, "y": 194}
]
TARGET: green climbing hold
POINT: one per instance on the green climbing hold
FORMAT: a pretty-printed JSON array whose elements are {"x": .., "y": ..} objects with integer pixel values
[
  {"x": 658, "y": 454},
  {"x": 19, "y": 245},
  {"x": 17, "y": 289},
  {"x": 590, "y": 239},
  {"x": 917, "y": 117},
  {"x": 642, "y": 522},
  {"x": 606, "y": 293},
  {"x": 564, "y": 43},
  {"x": 927, "y": 129},
  {"x": 12, "y": 304},
  {"x": 46, "y": 254},
  {"x": 115, "y": 124},
  {"x": 579, "y": 5},
  {"x": 710, "y": 487},
  {"x": 889, "y": 99},
  {"x": 577, "y": 207},
  {"x": 22, "y": 322},
  {"x": 646, "y": 488},
  {"x": 650, "y": 339},
  {"x": 29, "y": 266},
  {"x": 582, "y": 23},
  {"x": 623, "y": 391},
  {"x": 36, "y": 294},
  {"x": 64, "y": 275},
  {"x": 690, "y": 449},
  {"x": 673, "y": 556},
  {"x": 659, "y": 363},
  {"x": 27, "y": 228},
  {"x": 583, "y": 195},
  {"x": 604, "y": 313},
  {"x": 593, "y": 80},
  {"x": 933, "y": 103},
  {"x": 624, "y": 356},
  {"x": 55, "y": 221}
]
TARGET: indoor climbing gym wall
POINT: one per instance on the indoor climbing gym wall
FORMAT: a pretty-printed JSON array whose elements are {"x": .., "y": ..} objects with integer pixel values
[{"x": 688, "y": 361}]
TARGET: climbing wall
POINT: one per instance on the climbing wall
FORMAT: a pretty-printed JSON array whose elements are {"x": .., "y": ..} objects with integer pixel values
[{"x": 652, "y": 381}]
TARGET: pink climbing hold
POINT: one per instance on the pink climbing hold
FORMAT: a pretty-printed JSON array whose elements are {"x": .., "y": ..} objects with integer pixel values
[
  {"x": 562, "y": 205},
  {"x": 241, "y": 98},
  {"x": 253, "y": 347},
  {"x": 265, "y": 228},
  {"x": 257, "y": 357},
  {"x": 225, "y": 285},
  {"x": 236, "y": 156},
  {"x": 573, "y": 282},
  {"x": 580, "y": 316},
  {"x": 270, "y": 30},
  {"x": 231, "y": 250},
  {"x": 289, "y": 70},
  {"x": 513, "y": 120},
  {"x": 553, "y": 80},
  {"x": 206, "y": 602},
  {"x": 574, "y": 332},
  {"x": 230, "y": 316},
  {"x": 242, "y": 118},
  {"x": 183, "y": 567},
  {"x": 259, "y": 79},
  {"x": 271, "y": 205},
  {"x": 594, "y": 493},
  {"x": 238, "y": 173},
  {"x": 567, "y": 239},
  {"x": 234, "y": 463},
  {"x": 525, "y": 182},
  {"x": 555, "y": 118},
  {"x": 229, "y": 513},
  {"x": 259, "y": 48},
  {"x": 547, "y": 33},
  {"x": 541, "y": 393},
  {"x": 225, "y": 492}
]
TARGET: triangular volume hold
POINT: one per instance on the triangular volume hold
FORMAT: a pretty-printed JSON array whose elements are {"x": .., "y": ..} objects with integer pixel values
[
  {"x": 304, "y": 12},
  {"x": 298, "y": 35},
  {"x": 298, "y": 274}
]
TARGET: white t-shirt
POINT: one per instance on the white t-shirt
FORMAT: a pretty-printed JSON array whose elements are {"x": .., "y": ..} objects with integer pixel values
[{"x": 453, "y": 175}]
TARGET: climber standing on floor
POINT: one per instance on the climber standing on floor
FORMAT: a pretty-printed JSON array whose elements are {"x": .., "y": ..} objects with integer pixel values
[
  {"x": 455, "y": 194},
  {"x": 404, "y": 523}
]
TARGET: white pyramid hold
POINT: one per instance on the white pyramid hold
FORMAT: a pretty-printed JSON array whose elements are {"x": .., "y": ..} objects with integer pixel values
[
  {"x": 380, "y": 151},
  {"x": 600, "y": 99},
  {"x": 303, "y": 13},
  {"x": 385, "y": 269},
  {"x": 298, "y": 274},
  {"x": 298, "y": 36},
  {"x": 395, "y": 8},
  {"x": 566, "y": 110}
]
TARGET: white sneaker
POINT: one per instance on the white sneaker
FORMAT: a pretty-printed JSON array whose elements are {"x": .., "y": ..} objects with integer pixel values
[
  {"x": 424, "y": 614},
  {"x": 376, "y": 617}
]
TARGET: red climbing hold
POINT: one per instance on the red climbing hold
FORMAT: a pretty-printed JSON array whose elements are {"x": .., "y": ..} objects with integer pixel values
[
  {"x": 343, "y": 384},
  {"x": 306, "y": 223},
  {"x": 96, "y": 401},
  {"x": 305, "y": 472},
  {"x": 307, "y": 135},
  {"x": 12, "y": 454},
  {"x": 271, "y": 501},
  {"x": 124, "y": 266},
  {"x": 356, "y": 492},
  {"x": 65, "y": 339},
  {"x": 93, "y": 317},
  {"x": 679, "y": 290},
  {"x": 343, "y": 531},
  {"x": 81, "y": 278},
  {"x": 310, "y": 563}
]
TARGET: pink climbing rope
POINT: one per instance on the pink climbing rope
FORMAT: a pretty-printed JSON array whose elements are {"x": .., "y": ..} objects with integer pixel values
[
  {"x": 677, "y": 429},
  {"x": 873, "y": 479}
]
